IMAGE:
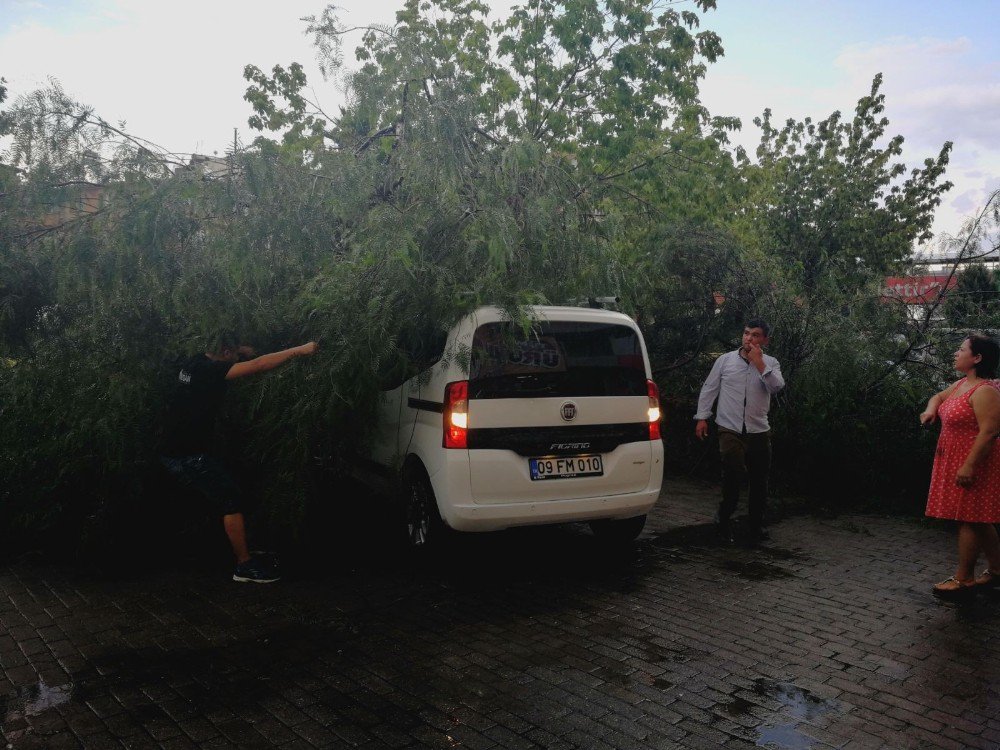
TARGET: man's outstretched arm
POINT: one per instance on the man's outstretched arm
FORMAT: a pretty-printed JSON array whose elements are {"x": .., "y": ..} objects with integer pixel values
[{"x": 269, "y": 361}]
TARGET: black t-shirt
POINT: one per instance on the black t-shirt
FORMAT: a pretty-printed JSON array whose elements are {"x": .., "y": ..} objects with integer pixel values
[{"x": 190, "y": 420}]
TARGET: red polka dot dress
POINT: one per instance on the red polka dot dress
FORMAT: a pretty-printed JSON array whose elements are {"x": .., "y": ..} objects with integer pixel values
[{"x": 979, "y": 503}]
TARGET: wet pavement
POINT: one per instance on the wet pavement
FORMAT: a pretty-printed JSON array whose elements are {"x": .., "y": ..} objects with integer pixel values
[{"x": 826, "y": 636}]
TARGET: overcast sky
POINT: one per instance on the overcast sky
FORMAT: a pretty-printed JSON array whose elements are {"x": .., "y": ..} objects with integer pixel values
[{"x": 173, "y": 71}]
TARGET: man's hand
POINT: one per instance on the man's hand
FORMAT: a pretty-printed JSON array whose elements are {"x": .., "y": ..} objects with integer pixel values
[
  {"x": 755, "y": 356},
  {"x": 701, "y": 429},
  {"x": 307, "y": 350},
  {"x": 964, "y": 477}
]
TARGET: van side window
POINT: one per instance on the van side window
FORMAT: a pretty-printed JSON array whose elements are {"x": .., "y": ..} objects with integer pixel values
[
  {"x": 429, "y": 349},
  {"x": 417, "y": 350}
]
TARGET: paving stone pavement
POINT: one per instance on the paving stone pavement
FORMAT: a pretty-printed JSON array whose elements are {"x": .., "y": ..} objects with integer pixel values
[{"x": 827, "y": 636}]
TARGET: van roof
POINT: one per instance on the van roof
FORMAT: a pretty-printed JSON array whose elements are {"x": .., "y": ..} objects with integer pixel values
[{"x": 490, "y": 313}]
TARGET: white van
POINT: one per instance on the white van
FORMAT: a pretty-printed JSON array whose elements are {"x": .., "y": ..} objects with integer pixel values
[{"x": 508, "y": 429}]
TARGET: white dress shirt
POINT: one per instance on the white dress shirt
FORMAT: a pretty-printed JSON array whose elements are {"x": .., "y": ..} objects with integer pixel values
[{"x": 743, "y": 392}]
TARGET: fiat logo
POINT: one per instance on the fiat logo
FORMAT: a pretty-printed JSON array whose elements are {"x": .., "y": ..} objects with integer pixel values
[{"x": 568, "y": 411}]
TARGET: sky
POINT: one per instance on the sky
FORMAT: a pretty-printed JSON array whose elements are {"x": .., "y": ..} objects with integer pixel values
[{"x": 173, "y": 72}]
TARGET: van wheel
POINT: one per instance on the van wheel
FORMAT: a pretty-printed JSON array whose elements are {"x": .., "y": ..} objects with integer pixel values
[
  {"x": 618, "y": 530},
  {"x": 424, "y": 526}
]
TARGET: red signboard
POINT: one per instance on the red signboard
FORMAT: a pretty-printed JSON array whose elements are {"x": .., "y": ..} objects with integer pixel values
[{"x": 917, "y": 290}]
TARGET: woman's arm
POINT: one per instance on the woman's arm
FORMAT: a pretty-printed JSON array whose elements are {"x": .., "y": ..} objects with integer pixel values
[
  {"x": 929, "y": 414},
  {"x": 986, "y": 404}
]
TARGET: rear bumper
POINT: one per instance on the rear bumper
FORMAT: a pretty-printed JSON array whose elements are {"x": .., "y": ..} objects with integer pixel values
[{"x": 496, "y": 516}]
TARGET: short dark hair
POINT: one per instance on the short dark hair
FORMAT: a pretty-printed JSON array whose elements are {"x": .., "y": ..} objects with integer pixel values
[
  {"x": 987, "y": 348},
  {"x": 761, "y": 324}
]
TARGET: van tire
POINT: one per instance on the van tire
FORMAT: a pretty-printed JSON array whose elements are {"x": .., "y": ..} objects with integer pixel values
[
  {"x": 422, "y": 520},
  {"x": 618, "y": 530}
]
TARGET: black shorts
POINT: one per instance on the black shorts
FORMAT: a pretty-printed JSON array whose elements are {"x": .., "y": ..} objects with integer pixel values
[{"x": 209, "y": 477}]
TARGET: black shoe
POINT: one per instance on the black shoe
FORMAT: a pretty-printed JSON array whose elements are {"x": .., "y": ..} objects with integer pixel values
[{"x": 253, "y": 571}]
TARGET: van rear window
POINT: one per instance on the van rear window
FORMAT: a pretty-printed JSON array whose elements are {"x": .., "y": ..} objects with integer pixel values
[{"x": 556, "y": 359}]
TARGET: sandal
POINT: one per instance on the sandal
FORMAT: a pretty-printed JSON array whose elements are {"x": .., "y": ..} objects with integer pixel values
[
  {"x": 988, "y": 579},
  {"x": 953, "y": 588}
]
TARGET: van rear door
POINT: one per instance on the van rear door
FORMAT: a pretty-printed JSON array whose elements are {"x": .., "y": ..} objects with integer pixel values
[{"x": 561, "y": 412}]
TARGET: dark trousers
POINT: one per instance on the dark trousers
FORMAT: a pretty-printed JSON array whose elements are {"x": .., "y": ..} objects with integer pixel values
[
  {"x": 209, "y": 477},
  {"x": 745, "y": 457}
]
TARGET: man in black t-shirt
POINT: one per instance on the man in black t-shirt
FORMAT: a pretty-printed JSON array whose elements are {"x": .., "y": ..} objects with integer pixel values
[{"x": 190, "y": 433}]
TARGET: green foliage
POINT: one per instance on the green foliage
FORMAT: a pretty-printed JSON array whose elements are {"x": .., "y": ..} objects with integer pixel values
[
  {"x": 559, "y": 153},
  {"x": 600, "y": 80},
  {"x": 974, "y": 301},
  {"x": 368, "y": 251},
  {"x": 822, "y": 216},
  {"x": 850, "y": 406},
  {"x": 3, "y": 97},
  {"x": 830, "y": 213},
  {"x": 834, "y": 202},
  {"x": 603, "y": 77}
]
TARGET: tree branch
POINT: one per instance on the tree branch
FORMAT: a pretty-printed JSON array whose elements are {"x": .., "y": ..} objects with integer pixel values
[
  {"x": 963, "y": 256},
  {"x": 141, "y": 143},
  {"x": 390, "y": 130},
  {"x": 34, "y": 234}
]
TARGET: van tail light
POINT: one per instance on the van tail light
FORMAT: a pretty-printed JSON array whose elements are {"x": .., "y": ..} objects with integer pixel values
[
  {"x": 654, "y": 410},
  {"x": 456, "y": 414}
]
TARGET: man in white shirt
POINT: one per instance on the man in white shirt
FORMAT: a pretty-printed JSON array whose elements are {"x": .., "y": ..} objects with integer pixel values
[{"x": 742, "y": 382}]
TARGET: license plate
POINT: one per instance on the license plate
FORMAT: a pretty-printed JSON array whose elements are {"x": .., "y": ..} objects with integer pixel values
[{"x": 566, "y": 467}]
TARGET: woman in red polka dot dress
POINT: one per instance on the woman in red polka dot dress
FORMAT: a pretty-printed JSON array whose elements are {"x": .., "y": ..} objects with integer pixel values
[{"x": 965, "y": 483}]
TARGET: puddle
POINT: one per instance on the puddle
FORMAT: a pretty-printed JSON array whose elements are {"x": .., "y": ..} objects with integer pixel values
[
  {"x": 784, "y": 736},
  {"x": 33, "y": 700},
  {"x": 30, "y": 701},
  {"x": 799, "y": 704},
  {"x": 611, "y": 676},
  {"x": 676, "y": 654},
  {"x": 755, "y": 570},
  {"x": 738, "y": 707}
]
